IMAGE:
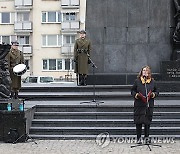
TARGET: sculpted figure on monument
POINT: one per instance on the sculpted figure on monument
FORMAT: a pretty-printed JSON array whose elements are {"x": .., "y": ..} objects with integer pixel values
[
  {"x": 5, "y": 80},
  {"x": 176, "y": 35}
]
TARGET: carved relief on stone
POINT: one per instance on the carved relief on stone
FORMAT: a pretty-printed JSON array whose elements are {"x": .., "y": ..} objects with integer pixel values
[{"x": 5, "y": 80}]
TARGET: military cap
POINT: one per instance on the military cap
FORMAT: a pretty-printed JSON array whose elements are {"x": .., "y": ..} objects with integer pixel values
[
  {"x": 82, "y": 32},
  {"x": 16, "y": 43}
]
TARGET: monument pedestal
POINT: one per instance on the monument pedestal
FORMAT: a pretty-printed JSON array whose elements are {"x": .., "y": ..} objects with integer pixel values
[
  {"x": 170, "y": 70},
  {"x": 176, "y": 52},
  {"x": 11, "y": 120},
  {"x": 178, "y": 55}
]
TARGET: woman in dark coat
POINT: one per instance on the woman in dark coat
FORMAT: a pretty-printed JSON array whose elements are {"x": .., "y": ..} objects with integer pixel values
[{"x": 144, "y": 86}]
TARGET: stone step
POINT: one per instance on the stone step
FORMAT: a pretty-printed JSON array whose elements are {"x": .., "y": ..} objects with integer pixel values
[
  {"x": 101, "y": 115},
  {"x": 98, "y": 130},
  {"x": 101, "y": 108},
  {"x": 55, "y": 87},
  {"x": 100, "y": 123},
  {"x": 164, "y": 86},
  {"x": 112, "y": 138},
  {"x": 89, "y": 95}
]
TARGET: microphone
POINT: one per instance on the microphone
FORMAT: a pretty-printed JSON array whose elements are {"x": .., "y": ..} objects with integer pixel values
[{"x": 144, "y": 77}]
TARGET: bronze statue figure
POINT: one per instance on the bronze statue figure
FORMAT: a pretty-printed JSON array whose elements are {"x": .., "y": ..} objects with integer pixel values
[
  {"x": 176, "y": 35},
  {"x": 5, "y": 80}
]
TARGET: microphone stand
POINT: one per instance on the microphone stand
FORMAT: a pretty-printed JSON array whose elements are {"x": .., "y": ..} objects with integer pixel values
[
  {"x": 94, "y": 89},
  {"x": 147, "y": 107}
]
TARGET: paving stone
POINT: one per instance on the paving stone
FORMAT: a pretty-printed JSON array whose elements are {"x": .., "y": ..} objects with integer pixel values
[{"x": 84, "y": 147}]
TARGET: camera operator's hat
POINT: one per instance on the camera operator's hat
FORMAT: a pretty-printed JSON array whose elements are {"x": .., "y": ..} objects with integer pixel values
[
  {"x": 16, "y": 43},
  {"x": 82, "y": 31}
]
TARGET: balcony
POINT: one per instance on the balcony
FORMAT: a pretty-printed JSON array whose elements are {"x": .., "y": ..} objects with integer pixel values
[
  {"x": 70, "y": 4},
  {"x": 67, "y": 50},
  {"x": 23, "y": 4},
  {"x": 26, "y": 49},
  {"x": 70, "y": 25},
  {"x": 23, "y": 26}
]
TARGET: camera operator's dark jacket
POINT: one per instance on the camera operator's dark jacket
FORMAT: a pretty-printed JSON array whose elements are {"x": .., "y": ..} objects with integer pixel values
[
  {"x": 82, "y": 49},
  {"x": 142, "y": 114}
]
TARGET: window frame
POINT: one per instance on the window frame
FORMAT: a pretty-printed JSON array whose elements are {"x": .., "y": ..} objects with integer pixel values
[
  {"x": 72, "y": 41},
  {"x": 56, "y": 67},
  {"x": 24, "y": 39},
  {"x": 46, "y": 15},
  {"x": 11, "y": 39},
  {"x": 21, "y": 16},
  {"x": 45, "y": 38},
  {"x": 67, "y": 17},
  {"x": 11, "y": 18}
]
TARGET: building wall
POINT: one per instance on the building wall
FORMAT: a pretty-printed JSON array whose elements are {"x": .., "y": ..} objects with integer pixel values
[
  {"x": 38, "y": 29},
  {"x": 128, "y": 34}
]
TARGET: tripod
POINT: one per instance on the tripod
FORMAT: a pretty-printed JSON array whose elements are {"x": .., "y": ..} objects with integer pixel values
[
  {"x": 147, "y": 140},
  {"x": 94, "y": 89},
  {"x": 24, "y": 137}
]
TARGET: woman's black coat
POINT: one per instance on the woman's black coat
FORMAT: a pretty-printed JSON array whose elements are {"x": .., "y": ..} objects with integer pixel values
[{"x": 142, "y": 113}]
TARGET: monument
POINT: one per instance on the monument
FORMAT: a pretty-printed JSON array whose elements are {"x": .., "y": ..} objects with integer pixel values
[
  {"x": 128, "y": 34},
  {"x": 5, "y": 80},
  {"x": 170, "y": 70}
]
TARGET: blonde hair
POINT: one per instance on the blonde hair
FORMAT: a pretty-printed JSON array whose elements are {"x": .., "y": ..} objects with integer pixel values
[{"x": 149, "y": 71}]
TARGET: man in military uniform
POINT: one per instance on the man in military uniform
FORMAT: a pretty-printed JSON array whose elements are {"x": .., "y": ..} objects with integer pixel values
[
  {"x": 82, "y": 49},
  {"x": 14, "y": 58}
]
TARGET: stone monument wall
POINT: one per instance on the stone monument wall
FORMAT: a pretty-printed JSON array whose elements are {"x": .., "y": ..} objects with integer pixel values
[{"x": 127, "y": 34}]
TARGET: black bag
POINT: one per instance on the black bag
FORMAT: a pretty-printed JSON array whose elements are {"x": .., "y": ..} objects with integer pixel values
[{"x": 12, "y": 136}]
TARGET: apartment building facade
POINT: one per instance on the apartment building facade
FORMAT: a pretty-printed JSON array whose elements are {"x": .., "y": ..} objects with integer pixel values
[{"x": 46, "y": 31}]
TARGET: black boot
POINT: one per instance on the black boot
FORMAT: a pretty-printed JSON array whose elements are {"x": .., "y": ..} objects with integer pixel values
[
  {"x": 16, "y": 95},
  {"x": 146, "y": 134},
  {"x": 80, "y": 80},
  {"x": 84, "y": 80},
  {"x": 12, "y": 95},
  {"x": 139, "y": 132}
]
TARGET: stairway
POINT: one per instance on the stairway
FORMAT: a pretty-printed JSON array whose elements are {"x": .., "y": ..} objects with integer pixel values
[
  {"x": 49, "y": 92},
  {"x": 62, "y": 118},
  {"x": 86, "y": 121}
]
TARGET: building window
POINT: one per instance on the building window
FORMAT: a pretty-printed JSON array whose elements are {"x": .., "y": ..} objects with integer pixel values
[
  {"x": 67, "y": 64},
  {"x": 51, "y": 40},
  {"x": 7, "y": 39},
  {"x": 23, "y": 16},
  {"x": 68, "y": 39},
  {"x": 51, "y": 17},
  {"x": 69, "y": 16},
  {"x": 45, "y": 64},
  {"x": 52, "y": 64},
  {"x": 57, "y": 64},
  {"x": 5, "y": 17},
  {"x": 23, "y": 40}
]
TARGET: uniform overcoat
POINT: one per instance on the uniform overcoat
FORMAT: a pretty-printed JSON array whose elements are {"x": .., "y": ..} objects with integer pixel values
[
  {"x": 15, "y": 58},
  {"x": 82, "y": 50}
]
